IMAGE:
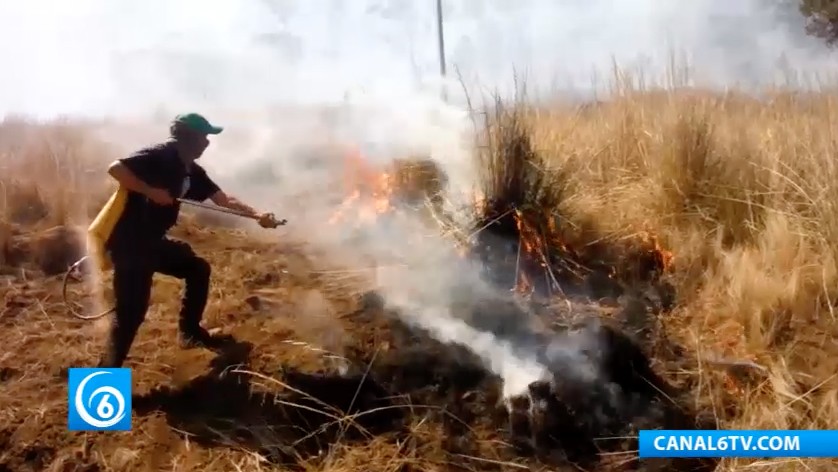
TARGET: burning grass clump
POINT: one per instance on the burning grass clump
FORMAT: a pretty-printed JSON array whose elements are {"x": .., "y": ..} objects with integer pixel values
[
  {"x": 418, "y": 180},
  {"x": 521, "y": 234}
]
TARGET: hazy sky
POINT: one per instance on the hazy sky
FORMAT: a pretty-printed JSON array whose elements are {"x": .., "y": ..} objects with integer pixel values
[{"x": 106, "y": 56}]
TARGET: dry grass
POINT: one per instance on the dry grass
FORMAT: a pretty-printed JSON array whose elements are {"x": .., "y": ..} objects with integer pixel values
[{"x": 743, "y": 192}]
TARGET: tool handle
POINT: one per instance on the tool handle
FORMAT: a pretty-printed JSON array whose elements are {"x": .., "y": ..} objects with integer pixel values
[
  {"x": 216, "y": 208},
  {"x": 227, "y": 210}
]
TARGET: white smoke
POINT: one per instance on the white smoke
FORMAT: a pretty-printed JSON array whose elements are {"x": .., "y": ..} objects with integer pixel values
[
  {"x": 294, "y": 81},
  {"x": 99, "y": 57}
]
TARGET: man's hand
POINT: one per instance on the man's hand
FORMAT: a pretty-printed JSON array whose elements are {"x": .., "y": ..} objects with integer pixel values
[
  {"x": 223, "y": 200},
  {"x": 159, "y": 196},
  {"x": 265, "y": 220},
  {"x": 268, "y": 220}
]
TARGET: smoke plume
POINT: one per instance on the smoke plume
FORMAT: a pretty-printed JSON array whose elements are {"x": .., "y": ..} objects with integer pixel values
[{"x": 297, "y": 83}]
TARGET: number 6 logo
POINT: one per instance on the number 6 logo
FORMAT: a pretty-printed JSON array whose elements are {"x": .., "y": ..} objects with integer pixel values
[{"x": 104, "y": 409}]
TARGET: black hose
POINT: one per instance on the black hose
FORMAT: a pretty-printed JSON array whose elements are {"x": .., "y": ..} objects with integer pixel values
[{"x": 69, "y": 305}]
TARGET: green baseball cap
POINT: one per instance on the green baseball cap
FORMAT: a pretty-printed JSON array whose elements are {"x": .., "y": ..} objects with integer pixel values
[{"x": 198, "y": 123}]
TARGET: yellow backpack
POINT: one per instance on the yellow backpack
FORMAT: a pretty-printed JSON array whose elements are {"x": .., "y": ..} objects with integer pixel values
[{"x": 101, "y": 228}]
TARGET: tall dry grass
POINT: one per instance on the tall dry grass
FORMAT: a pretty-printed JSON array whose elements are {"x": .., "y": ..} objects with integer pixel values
[
  {"x": 51, "y": 180},
  {"x": 744, "y": 192},
  {"x": 52, "y": 173}
]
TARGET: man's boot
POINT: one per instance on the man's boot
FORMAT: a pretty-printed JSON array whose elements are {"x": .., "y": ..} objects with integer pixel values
[
  {"x": 116, "y": 350},
  {"x": 198, "y": 337}
]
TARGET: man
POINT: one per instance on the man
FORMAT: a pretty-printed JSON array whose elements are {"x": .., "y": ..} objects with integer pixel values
[{"x": 154, "y": 178}]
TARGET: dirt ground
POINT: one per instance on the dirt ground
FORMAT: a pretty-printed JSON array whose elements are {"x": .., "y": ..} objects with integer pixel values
[{"x": 295, "y": 391}]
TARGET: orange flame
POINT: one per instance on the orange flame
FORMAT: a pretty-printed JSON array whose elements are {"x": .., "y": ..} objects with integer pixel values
[
  {"x": 369, "y": 190},
  {"x": 530, "y": 252},
  {"x": 664, "y": 256}
]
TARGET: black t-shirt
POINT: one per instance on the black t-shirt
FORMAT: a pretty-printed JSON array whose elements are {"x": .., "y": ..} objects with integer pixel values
[{"x": 158, "y": 166}]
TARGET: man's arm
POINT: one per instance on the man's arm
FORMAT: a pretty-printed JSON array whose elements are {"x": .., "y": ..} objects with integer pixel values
[
  {"x": 129, "y": 172},
  {"x": 127, "y": 179},
  {"x": 204, "y": 187},
  {"x": 266, "y": 220},
  {"x": 222, "y": 199}
]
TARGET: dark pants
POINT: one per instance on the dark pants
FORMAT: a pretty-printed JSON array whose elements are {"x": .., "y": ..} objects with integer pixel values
[{"x": 134, "y": 269}]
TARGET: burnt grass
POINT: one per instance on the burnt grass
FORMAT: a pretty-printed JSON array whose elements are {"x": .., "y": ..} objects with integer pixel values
[
  {"x": 558, "y": 421},
  {"x": 290, "y": 416}
]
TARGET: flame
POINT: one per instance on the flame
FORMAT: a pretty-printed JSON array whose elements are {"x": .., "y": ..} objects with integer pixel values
[
  {"x": 369, "y": 190},
  {"x": 539, "y": 246},
  {"x": 556, "y": 239},
  {"x": 664, "y": 257},
  {"x": 531, "y": 252}
]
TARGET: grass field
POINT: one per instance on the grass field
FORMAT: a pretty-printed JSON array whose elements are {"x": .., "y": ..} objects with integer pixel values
[{"x": 742, "y": 192}]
